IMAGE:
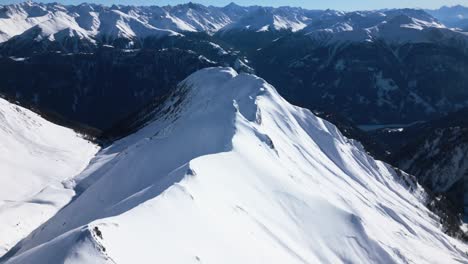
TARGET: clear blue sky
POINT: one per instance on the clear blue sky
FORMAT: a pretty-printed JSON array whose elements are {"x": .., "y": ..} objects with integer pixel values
[{"x": 310, "y": 4}]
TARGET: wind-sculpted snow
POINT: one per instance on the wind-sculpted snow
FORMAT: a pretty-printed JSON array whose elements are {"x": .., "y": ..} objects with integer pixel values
[
  {"x": 35, "y": 157},
  {"x": 229, "y": 172}
]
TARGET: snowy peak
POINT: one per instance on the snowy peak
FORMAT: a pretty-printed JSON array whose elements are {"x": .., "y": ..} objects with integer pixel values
[
  {"x": 27, "y": 8},
  {"x": 397, "y": 26},
  {"x": 196, "y": 17},
  {"x": 86, "y": 21},
  {"x": 411, "y": 18},
  {"x": 413, "y": 27},
  {"x": 228, "y": 172},
  {"x": 15, "y": 19},
  {"x": 266, "y": 18},
  {"x": 95, "y": 23}
]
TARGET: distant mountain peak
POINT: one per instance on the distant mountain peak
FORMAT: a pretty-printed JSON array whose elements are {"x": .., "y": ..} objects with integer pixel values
[
  {"x": 128, "y": 24},
  {"x": 232, "y": 5}
]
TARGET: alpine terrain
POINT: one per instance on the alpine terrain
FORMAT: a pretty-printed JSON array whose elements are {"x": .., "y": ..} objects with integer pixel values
[
  {"x": 153, "y": 134},
  {"x": 396, "y": 66},
  {"x": 226, "y": 171},
  {"x": 36, "y": 160}
]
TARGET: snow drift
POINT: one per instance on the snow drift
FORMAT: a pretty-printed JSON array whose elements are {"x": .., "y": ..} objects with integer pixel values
[
  {"x": 35, "y": 157},
  {"x": 228, "y": 172}
]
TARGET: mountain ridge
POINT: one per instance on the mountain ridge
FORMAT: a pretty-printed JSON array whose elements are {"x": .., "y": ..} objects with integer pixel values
[
  {"x": 94, "y": 22},
  {"x": 227, "y": 159}
]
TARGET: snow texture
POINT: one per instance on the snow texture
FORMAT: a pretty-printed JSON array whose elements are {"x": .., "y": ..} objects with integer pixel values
[
  {"x": 35, "y": 157},
  {"x": 229, "y": 172}
]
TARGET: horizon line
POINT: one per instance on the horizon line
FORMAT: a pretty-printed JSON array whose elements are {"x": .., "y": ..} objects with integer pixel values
[{"x": 222, "y": 6}]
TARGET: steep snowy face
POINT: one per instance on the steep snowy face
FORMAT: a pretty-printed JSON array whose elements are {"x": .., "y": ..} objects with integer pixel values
[
  {"x": 227, "y": 171},
  {"x": 35, "y": 157}
]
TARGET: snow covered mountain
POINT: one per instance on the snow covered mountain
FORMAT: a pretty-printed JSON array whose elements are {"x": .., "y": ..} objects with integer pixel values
[
  {"x": 226, "y": 171},
  {"x": 79, "y": 27},
  {"x": 90, "y": 23},
  {"x": 393, "y": 26},
  {"x": 328, "y": 63},
  {"x": 372, "y": 67},
  {"x": 32, "y": 23},
  {"x": 36, "y": 157},
  {"x": 260, "y": 19}
]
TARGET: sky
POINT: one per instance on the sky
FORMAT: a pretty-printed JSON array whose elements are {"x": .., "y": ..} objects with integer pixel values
[{"x": 309, "y": 4}]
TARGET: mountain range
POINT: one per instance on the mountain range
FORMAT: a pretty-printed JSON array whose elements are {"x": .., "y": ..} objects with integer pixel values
[
  {"x": 409, "y": 66},
  {"x": 83, "y": 26},
  {"x": 452, "y": 16},
  {"x": 194, "y": 142}
]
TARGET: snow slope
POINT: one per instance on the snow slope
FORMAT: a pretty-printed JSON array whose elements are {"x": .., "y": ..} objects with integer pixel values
[
  {"x": 228, "y": 172},
  {"x": 35, "y": 157}
]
